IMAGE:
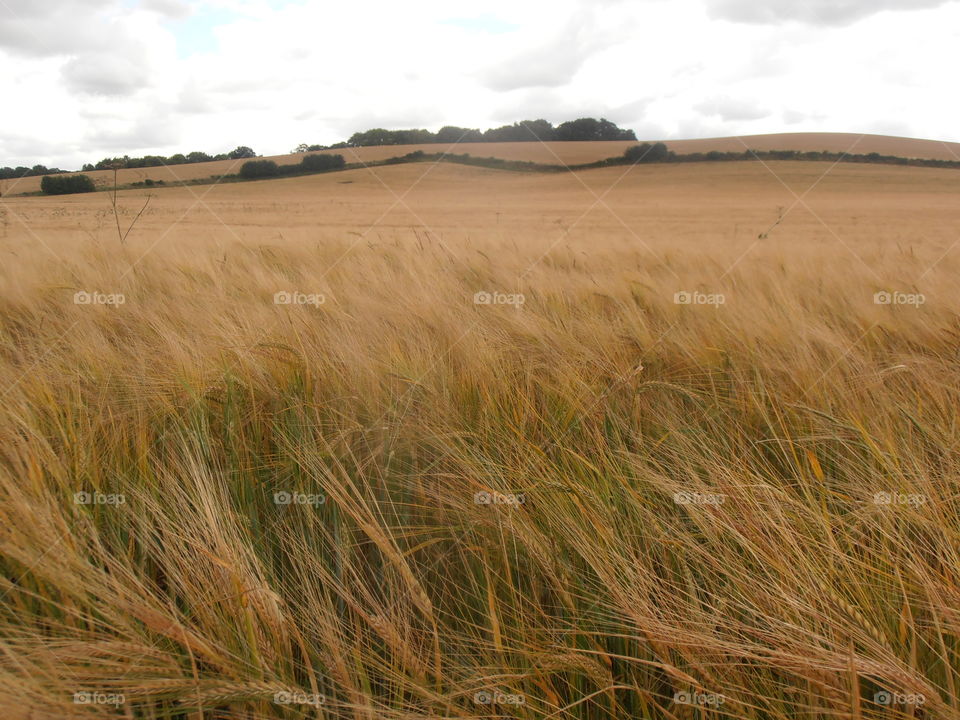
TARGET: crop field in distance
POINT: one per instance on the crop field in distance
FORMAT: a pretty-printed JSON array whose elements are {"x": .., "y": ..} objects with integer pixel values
[
  {"x": 548, "y": 153},
  {"x": 673, "y": 442}
]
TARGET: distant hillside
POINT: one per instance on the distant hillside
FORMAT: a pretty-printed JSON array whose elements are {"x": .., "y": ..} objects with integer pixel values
[
  {"x": 584, "y": 152},
  {"x": 571, "y": 153},
  {"x": 832, "y": 142}
]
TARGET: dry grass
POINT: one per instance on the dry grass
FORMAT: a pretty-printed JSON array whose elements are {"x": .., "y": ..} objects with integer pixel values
[{"x": 399, "y": 399}]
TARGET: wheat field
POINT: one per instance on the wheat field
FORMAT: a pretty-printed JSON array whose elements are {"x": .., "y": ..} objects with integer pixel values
[{"x": 669, "y": 442}]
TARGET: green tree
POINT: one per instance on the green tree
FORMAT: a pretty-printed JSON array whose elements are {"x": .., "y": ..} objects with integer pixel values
[
  {"x": 646, "y": 153},
  {"x": 539, "y": 129},
  {"x": 523, "y": 131},
  {"x": 320, "y": 163},
  {"x": 66, "y": 184},
  {"x": 592, "y": 129},
  {"x": 255, "y": 169},
  {"x": 452, "y": 134},
  {"x": 241, "y": 153}
]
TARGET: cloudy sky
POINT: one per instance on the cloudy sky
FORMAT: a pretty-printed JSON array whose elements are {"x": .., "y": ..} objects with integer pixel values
[{"x": 85, "y": 79}]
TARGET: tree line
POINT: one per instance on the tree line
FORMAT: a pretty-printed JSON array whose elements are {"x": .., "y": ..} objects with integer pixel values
[
  {"x": 9, "y": 173},
  {"x": 589, "y": 129},
  {"x": 126, "y": 162}
]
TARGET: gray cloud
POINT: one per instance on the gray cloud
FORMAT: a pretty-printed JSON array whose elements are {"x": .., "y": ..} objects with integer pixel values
[
  {"x": 541, "y": 69},
  {"x": 193, "y": 99},
  {"x": 408, "y": 116},
  {"x": 154, "y": 129},
  {"x": 173, "y": 9},
  {"x": 556, "y": 62},
  {"x": 813, "y": 12},
  {"x": 793, "y": 117},
  {"x": 50, "y": 28},
  {"x": 731, "y": 109},
  {"x": 556, "y": 106},
  {"x": 36, "y": 150},
  {"x": 105, "y": 74},
  {"x": 105, "y": 55},
  {"x": 31, "y": 10}
]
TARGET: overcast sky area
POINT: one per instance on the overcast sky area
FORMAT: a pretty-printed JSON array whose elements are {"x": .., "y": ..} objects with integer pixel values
[{"x": 87, "y": 79}]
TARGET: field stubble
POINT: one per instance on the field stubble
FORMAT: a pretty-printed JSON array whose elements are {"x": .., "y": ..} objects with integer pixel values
[{"x": 662, "y": 468}]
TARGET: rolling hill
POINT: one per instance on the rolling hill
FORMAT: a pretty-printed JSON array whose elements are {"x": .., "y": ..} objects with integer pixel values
[{"x": 549, "y": 153}]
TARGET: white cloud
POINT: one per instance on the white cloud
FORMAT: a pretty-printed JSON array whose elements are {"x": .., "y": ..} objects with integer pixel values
[
  {"x": 814, "y": 12},
  {"x": 271, "y": 74}
]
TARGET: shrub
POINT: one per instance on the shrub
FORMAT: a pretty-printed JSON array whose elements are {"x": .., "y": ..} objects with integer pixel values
[
  {"x": 259, "y": 169},
  {"x": 645, "y": 152},
  {"x": 319, "y": 163},
  {"x": 66, "y": 184}
]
